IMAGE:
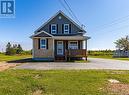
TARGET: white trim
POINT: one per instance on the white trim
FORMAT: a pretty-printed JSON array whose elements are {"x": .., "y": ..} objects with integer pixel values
[
  {"x": 54, "y": 30},
  {"x": 70, "y": 42},
  {"x": 61, "y": 48},
  {"x": 41, "y": 32},
  {"x": 54, "y": 17},
  {"x": 43, "y": 45},
  {"x": 48, "y": 33},
  {"x": 42, "y": 37},
  {"x": 65, "y": 29}
]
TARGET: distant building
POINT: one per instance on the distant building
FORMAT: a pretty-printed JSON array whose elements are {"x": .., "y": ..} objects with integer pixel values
[{"x": 121, "y": 53}]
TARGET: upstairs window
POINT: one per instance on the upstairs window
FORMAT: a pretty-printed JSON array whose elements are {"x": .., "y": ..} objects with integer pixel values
[
  {"x": 66, "y": 28},
  {"x": 43, "y": 43},
  {"x": 53, "y": 28}
]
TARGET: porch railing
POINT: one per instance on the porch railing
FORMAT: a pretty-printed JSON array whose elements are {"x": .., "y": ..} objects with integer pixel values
[{"x": 76, "y": 53}]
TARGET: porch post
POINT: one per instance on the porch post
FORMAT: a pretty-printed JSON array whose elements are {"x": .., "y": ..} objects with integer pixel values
[
  {"x": 33, "y": 48},
  {"x": 54, "y": 49},
  {"x": 86, "y": 48}
]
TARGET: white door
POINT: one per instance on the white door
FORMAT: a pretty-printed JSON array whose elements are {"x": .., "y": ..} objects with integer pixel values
[{"x": 60, "y": 48}]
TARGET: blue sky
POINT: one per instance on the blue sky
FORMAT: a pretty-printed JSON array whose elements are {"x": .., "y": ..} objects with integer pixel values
[{"x": 105, "y": 20}]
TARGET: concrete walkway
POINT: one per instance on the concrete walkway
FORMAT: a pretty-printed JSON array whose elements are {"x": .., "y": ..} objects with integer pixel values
[{"x": 95, "y": 63}]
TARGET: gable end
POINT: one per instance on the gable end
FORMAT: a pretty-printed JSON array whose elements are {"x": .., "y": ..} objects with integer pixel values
[{"x": 61, "y": 13}]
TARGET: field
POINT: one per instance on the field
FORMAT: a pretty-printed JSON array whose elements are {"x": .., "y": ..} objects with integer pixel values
[
  {"x": 60, "y": 82},
  {"x": 109, "y": 57},
  {"x": 106, "y": 54},
  {"x": 14, "y": 57}
]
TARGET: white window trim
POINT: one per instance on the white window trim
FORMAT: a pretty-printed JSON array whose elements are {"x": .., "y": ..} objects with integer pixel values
[
  {"x": 43, "y": 45},
  {"x": 70, "y": 42},
  {"x": 55, "y": 31},
  {"x": 65, "y": 29}
]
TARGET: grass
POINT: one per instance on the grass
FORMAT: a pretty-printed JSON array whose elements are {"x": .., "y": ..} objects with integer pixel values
[
  {"x": 12, "y": 58},
  {"x": 58, "y": 82},
  {"x": 4, "y": 57},
  {"x": 109, "y": 57}
]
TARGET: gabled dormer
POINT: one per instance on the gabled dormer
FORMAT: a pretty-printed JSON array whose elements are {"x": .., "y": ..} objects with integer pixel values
[{"x": 61, "y": 24}]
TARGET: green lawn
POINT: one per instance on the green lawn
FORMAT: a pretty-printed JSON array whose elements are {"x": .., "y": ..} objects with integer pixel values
[
  {"x": 109, "y": 57},
  {"x": 14, "y": 57},
  {"x": 59, "y": 82}
]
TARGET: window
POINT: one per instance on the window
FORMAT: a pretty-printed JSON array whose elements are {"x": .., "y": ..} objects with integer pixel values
[
  {"x": 43, "y": 43},
  {"x": 73, "y": 45},
  {"x": 66, "y": 28},
  {"x": 60, "y": 17},
  {"x": 53, "y": 29}
]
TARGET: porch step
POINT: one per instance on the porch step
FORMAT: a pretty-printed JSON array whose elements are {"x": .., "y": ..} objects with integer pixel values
[{"x": 60, "y": 58}]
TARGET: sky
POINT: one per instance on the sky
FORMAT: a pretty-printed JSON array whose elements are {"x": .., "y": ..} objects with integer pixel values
[{"x": 105, "y": 21}]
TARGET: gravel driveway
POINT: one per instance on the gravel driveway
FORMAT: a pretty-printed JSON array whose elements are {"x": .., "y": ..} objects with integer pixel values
[{"x": 95, "y": 63}]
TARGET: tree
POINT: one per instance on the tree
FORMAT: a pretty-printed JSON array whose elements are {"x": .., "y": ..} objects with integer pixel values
[
  {"x": 12, "y": 51},
  {"x": 123, "y": 43},
  {"x": 19, "y": 49},
  {"x": 8, "y": 48},
  {"x": 15, "y": 46},
  {"x": 15, "y": 49}
]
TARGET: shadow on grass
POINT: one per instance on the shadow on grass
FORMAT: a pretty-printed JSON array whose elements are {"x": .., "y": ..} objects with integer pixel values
[{"x": 27, "y": 60}]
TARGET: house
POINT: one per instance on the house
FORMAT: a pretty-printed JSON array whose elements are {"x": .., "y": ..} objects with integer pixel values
[
  {"x": 60, "y": 38},
  {"x": 120, "y": 53}
]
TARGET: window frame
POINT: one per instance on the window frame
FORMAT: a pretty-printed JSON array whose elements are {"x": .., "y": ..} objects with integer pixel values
[
  {"x": 53, "y": 31},
  {"x": 70, "y": 45},
  {"x": 66, "y": 29},
  {"x": 43, "y": 44}
]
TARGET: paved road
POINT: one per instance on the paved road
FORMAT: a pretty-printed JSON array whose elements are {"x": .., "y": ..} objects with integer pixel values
[{"x": 95, "y": 63}]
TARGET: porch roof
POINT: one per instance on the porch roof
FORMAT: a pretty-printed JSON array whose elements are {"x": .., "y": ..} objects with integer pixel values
[{"x": 71, "y": 37}]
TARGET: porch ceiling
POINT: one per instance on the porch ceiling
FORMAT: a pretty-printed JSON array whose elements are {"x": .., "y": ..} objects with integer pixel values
[{"x": 70, "y": 37}]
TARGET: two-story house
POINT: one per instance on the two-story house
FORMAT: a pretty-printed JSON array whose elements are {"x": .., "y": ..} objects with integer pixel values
[{"x": 60, "y": 38}]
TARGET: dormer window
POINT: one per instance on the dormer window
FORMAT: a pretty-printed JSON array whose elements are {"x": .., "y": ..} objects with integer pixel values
[
  {"x": 66, "y": 28},
  {"x": 53, "y": 28}
]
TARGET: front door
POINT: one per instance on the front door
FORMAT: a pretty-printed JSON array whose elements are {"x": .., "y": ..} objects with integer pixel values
[{"x": 60, "y": 48}]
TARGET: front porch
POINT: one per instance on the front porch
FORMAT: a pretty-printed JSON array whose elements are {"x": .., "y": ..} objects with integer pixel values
[{"x": 66, "y": 50}]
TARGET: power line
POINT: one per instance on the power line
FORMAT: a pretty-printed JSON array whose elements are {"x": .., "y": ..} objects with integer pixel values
[
  {"x": 111, "y": 25},
  {"x": 117, "y": 21},
  {"x": 72, "y": 12},
  {"x": 65, "y": 8},
  {"x": 103, "y": 32},
  {"x": 69, "y": 10}
]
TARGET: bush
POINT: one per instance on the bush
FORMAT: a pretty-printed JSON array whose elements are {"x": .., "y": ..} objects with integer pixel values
[{"x": 29, "y": 52}]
